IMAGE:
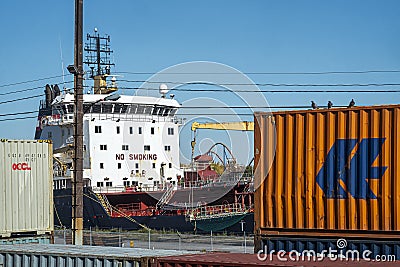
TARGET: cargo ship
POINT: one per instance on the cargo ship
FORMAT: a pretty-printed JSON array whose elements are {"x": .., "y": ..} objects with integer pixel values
[{"x": 132, "y": 173}]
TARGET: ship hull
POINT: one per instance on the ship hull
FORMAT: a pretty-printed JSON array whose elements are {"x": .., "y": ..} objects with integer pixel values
[{"x": 95, "y": 216}]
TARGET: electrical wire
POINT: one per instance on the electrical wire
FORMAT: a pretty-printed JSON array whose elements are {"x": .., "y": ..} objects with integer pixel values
[
  {"x": 18, "y": 113},
  {"x": 20, "y": 99},
  {"x": 265, "y": 91},
  {"x": 263, "y": 84},
  {"x": 264, "y": 73},
  {"x": 31, "y": 81},
  {"x": 20, "y": 118}
]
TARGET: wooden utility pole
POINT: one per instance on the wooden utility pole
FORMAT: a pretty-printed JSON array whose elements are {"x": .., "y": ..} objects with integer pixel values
[{"x": 77, "y": 189}]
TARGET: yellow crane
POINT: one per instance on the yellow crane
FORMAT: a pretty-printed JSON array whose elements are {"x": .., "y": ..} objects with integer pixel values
[{"x": 235, "y": 126}]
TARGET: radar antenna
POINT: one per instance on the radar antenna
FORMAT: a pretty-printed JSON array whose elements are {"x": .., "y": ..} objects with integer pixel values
[{"x": 98, "y": 54}]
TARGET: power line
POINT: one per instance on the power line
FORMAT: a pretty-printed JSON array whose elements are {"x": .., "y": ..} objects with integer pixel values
[
  {"x": 19, "y": 118},
  {"x": 262, "y": 73},
  {"x": 265, "y": 91},
  {"x": 264, "y": 84},
  {"x": 18, "y": 113},
  {"x": 31, "y": 81},
  {"x": 20, "y": 99}
]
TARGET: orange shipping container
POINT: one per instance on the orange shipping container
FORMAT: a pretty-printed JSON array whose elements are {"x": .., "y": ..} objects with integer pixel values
[{"x": 334, "y": 171}]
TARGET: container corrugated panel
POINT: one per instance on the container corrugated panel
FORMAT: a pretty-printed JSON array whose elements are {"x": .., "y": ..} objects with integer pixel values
[
  {"x": 335, "y": 171},
  {"x": 36, "y": 255},
  {"x": 26, "y": 199}
]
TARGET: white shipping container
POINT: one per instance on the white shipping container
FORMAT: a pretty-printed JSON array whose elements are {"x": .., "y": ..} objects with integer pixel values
[{"x": 26, "y": 198}]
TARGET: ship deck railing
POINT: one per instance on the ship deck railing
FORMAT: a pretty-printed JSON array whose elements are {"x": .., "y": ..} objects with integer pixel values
[{"x": 217, "y": 211}]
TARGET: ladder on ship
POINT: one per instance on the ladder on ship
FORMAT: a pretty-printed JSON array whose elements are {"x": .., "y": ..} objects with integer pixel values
[
  {"x": 104, "y": 202},
  {"x": 166, "y": 197}
]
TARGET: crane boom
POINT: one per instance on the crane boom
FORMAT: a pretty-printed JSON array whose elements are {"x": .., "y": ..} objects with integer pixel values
[{"x": 236, "y": 126}]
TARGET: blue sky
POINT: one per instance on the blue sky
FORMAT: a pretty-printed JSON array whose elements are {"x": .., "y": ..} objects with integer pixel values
[{"x": 251, "y": 36}]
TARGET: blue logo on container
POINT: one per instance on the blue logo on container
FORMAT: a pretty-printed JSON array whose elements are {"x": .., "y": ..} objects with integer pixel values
[{"x": 338, "y": 170}]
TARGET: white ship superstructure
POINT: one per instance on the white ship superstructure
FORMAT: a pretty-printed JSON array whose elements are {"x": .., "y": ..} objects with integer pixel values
[{"x": 129, "y": 142}]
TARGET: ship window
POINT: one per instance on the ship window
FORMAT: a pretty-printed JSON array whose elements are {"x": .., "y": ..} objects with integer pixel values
[
  {"x": 100, "y": 184},
  {"x": 101, "y": 165},
  {"x": 166, "y": 111},
  {"x": 140, "y": 130},
  {"x": 137, "y": 171},
  {"x": 119, "y": 165},
  {"x": 124, "y": 108},
  {"x": 125, "y": 147},
  {"x": 107, "y": 108},
  {"x": 131, "y": 130},
  {"x": 108, "y": 184},
  {"x": 96, "y": 108},
  {"x": 170, "y": 165},
  {"x": 64, "y": 109},
  {"x": 137, "y": 165},
  {"x": 70, "y": 108},
  {"x": 117, "y": 108},
  {"x": 154, "y": 165},
  {"x": 160, "y": 112},
  {"x": 97, "y": 129},
  {"x": 147, "y": 148},
  {"x": 170, "y": 131},
  {"x": 167, "y": 148},
  {"x": 141, "y": 109},
  {"x": 152, "y": 130},
  {"x": 155, "y": 110},
  {"x": 133, "y": 109},
  {"x": 127, "y": 183},
  {"x": 173, "y": 111},
  {"x": 86, "y": 108},
  {"x": 69, "y": 131},
  {"x": 103, "y": 147},
  {"x": 118, "y": 130}
]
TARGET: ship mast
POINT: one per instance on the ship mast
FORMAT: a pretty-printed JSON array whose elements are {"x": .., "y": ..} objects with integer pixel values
[{"x": 98, "y": 59}]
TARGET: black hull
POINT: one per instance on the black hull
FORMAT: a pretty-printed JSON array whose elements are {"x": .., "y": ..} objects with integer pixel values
[{"x": 96, "y": 216}]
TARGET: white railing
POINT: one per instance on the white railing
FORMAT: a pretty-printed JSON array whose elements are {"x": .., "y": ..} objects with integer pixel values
[{"x": 207, "y": 212}]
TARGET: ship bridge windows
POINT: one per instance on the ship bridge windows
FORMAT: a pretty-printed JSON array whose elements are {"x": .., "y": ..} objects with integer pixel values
[
  {"x": 143, "y": 109},
  {"x": 107, "y": 108},
  {"x": 124, "y": 108},
  {"x": 173, "y": 111},
  {"x": 96, "y": 108},
  {"x": 70, "y": 108},
  {"x": 156, "y": 110},
  {"x": 132, "y": 109},
  {"x": 100, "y": 184},
  {"x": 117, "y": 108},
  {"x": 64, "y": 109},
  {"x": 86, "y": 108}
]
